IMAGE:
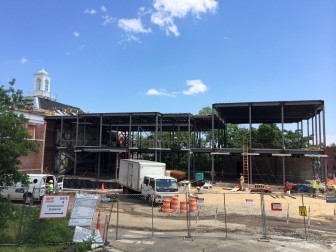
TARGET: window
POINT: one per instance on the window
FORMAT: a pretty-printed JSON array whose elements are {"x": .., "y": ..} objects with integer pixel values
[
  {"x": 38, "y": 84},
  {"x": 152, "y": 183},
  {"x": 46, "y": 85},
  {"x": 31, "y": 131}
]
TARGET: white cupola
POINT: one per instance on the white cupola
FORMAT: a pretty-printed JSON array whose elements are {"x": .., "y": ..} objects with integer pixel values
[{"x": 42, "y": 85}]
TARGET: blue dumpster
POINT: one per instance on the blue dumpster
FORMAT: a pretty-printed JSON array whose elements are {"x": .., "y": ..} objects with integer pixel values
[{"x": 199, "y": 176}]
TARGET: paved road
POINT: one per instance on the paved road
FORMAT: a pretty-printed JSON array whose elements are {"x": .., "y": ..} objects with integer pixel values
[{"x": 139, "y": 241}]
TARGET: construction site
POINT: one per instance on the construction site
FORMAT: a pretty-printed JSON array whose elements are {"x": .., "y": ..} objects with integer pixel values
[{"x": 89, "y": 146}]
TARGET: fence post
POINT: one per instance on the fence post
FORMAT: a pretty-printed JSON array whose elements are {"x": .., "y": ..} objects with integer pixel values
[
  {"x": 117, "y": 220},
  {"x": 188, "y": 216},
  {"x": 20, "y": 233},
  {"x": 152, "y": 196},
  {"x": 109, "y": 218},
  {"x": 304, "y": 218},
  {"x": 263, "y": 216},
  {"x": 308, "y": 216},
  {"x": 225, "y": 217}
]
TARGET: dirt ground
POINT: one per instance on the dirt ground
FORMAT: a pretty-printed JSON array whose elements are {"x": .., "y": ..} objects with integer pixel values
[{"x": 219, "y": 208}]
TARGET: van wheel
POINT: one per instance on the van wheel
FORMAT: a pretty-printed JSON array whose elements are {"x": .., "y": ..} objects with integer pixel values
[{"x": 27, "y": 199}]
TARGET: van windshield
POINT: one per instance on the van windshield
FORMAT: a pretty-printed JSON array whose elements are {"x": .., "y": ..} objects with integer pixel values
[{"x": 166, "y": 185}]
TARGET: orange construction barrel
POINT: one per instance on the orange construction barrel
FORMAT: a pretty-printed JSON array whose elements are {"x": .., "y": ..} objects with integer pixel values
[
  {"x": 166, "y": 206},
  {"x": 174, "y": 204},
  {"x": 183, "y": 207},
  {"x": 192, "y": 205}
]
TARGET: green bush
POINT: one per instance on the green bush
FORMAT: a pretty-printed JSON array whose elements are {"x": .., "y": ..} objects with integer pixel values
[
  {"x": 9, "y": 221},
  {"x": 46, "y": 231}
]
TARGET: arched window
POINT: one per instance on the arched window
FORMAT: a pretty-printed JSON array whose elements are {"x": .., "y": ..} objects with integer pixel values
[
  {"x": 38, "y": 84},
  {"x": 46, "y": 85}
]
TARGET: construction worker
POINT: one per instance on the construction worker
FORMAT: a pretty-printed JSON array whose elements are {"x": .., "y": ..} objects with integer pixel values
[
  {"x": 241, "y": 181},
  {"x": 315, "y": 187},
  {"x": 50, "y": 186}
]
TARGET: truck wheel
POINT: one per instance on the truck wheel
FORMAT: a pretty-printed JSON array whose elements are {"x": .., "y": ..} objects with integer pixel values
[{"x": 27, "y": 199}]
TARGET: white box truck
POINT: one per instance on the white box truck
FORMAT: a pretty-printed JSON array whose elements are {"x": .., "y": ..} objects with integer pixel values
[{"x": 148, "y": 178}]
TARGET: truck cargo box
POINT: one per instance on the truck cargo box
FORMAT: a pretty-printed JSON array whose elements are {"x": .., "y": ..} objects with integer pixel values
[{"x": 132, "y": 172}]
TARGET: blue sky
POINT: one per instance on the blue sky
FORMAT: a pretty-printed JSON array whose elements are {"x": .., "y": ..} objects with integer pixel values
[{"x": 172, "y": 56}]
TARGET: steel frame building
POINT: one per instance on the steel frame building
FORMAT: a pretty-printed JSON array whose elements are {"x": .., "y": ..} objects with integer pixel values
[{"x": 89, "y": 144}]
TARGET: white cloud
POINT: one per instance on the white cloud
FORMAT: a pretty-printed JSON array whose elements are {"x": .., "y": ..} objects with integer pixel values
[
  {"x": 108, "y": 19},
  {"x": 153, "y": 91},
  {"x": 103, "y": 8},
  {"x": 131, "y": 38},
  {"x": 76, "y": 34},
  {"x": 23, "y": 60},
  {"x": 142, "y": 11},
  {"x": 196, "y": 86},
  {"x": 133, "y": 25},
  {"x": 90, "y": 11},
  {"x": 167, "y": 10}
]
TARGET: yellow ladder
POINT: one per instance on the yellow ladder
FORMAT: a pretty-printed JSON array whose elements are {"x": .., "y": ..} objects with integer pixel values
[{"x": 246, "y": 165}]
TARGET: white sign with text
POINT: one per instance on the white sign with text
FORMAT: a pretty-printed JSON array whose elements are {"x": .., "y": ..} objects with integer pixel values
[{"x": 54, "y": 206}]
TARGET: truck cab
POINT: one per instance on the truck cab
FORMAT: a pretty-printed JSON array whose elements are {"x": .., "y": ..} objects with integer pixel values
[{"x": 160, "y": 187}]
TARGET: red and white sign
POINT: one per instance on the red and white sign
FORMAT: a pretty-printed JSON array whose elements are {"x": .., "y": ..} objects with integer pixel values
[
  {"x": 249, "y": 201},
  {"x": 276, "y": 207},
  {"x": 54, "y": 206}
]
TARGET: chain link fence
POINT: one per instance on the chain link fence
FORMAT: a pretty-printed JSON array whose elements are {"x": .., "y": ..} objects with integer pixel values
[{"x": 204, "y": 215}]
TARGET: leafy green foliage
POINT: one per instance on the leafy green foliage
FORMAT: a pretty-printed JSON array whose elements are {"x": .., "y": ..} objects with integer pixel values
[
  {"x": 7, "y": 213},
  {"x": 205, "y": 111},
  {"x": 14, "y": 138},
  {"x": 46, "y": 231}
]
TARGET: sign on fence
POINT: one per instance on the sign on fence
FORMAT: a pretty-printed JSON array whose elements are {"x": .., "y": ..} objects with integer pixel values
[
  {"x": 83, "y": 210},
  {"x": 54, "y": 206},
  {"x": 249, "y": 201},
  {"x": 276, "y": 207},
  {"x": 303, "y": 210}
]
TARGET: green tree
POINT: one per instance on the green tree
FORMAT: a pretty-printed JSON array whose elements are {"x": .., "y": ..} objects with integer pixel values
[
  {"x": 14, "y": 137},
  {"x": 205, "y": 111},
  {"x": 236, "y": 135},
  {"x": 295, "y": 140},
  {"x": 269, "y": 136}
]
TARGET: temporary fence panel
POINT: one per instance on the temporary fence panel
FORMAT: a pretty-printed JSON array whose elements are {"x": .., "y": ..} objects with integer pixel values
[
  {"x": 244, "y": 213},
  {"x": 170, "y": 218},
  {"x": 285, "y": 215},
  {"x": 131, "y": 217},
  {"x": 321, "y": 218},
  {"x": 207, "y": 215}
]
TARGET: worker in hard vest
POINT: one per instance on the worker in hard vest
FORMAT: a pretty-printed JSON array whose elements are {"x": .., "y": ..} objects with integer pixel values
[
  {"x": 315, "y": 187},
  {"x": 50, "y": 187},
  {"x": 241, "y": 181}
]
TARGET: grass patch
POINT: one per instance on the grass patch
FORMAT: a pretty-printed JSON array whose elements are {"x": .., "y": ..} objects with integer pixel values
[{"x": 57, "y": 248}]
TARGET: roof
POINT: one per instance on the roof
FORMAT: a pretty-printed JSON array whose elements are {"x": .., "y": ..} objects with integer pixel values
[
  {"x": 269, "y": 112},
  {"x": 42, "y": 71},
  {"x": 57, "y": 107},
  {"x": 147, "y": 121}
]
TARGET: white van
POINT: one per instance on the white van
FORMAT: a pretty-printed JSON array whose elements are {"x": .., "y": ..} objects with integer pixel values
[{"x": 37, "y": 186}]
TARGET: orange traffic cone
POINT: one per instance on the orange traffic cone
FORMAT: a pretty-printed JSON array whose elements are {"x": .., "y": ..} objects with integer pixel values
[
  {"x": 102, "y": 187},
  {"x": 98, "y": 222}
]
